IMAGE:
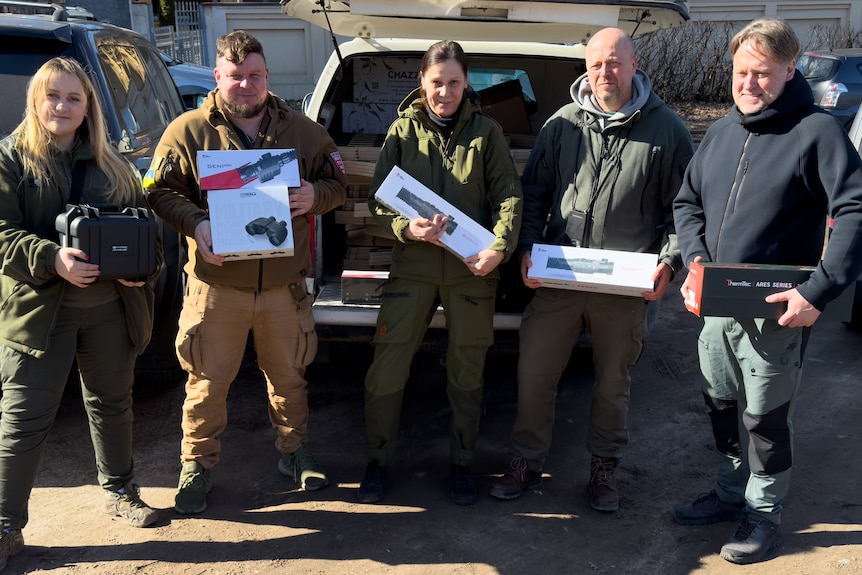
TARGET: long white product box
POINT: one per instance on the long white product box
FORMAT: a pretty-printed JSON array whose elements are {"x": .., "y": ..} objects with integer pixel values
[
  {"x": 403, "y": 193},
  {"x": 590, "y": 269}
]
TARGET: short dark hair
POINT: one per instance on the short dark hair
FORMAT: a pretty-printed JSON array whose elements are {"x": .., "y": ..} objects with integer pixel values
[
  {"x": 443, "y": 51},
  {"x": 237, "y": 45}
]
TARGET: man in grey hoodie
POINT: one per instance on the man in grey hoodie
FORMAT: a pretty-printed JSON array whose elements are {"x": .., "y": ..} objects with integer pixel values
[{"x": 603, "y": 174}]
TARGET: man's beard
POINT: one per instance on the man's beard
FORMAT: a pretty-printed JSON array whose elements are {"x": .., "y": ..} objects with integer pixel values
[{"x": 244, "y": 110}]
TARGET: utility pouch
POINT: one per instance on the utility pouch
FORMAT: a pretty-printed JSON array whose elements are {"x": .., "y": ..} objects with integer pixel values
[{"x": 576, "y": 223}]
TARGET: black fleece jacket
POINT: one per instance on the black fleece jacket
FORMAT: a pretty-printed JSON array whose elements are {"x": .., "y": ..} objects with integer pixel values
[{"x": 760, "y": 187}]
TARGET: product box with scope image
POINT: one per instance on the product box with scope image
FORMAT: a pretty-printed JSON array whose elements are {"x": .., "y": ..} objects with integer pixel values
[
  {"x": 404, "y": 194},
  {"x": 589, "y": 269}
]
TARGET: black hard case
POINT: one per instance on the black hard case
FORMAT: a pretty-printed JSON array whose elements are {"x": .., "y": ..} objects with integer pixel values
[{"x": 122, "y": 241}]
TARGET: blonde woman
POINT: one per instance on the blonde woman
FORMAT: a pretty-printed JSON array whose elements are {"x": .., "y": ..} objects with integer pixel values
[{"x": 54, "y": 308}]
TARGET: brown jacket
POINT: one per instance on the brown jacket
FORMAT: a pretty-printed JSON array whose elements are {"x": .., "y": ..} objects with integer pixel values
[{"x": 175, "y": 196}]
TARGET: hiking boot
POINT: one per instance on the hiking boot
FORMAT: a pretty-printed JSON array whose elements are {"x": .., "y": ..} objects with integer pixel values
[
  {"x": 371, "y": 488},
  {"x": 754, "y": 539},
  {"x": 706, "y": 509},
  {"x": 192, "y": 491},
  {"x": 463, "y": 488},
  {"x": 303, "y": 468},
  {"x": 516, "y": 480},
  {"x": 603, "y": 486},
  {"x": 11, "y": 542},
  {"x": 127, "y": 503}
]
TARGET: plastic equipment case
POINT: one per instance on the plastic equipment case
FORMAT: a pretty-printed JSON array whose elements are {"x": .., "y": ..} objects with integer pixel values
[{"x": 122, "y": 241}]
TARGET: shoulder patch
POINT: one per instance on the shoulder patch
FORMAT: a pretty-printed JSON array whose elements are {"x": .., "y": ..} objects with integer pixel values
[
  {"x": 149, "y": 179},
  {"x": 336, "y": 157}
]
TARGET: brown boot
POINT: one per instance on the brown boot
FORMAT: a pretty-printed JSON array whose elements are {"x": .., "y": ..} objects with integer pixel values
[
  {"x": 516, "y": 480},
  {"x": 603, "y": 486}
]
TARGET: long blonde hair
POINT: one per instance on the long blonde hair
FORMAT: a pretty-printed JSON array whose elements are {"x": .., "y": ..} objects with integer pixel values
[{"x": 36, "y": 146}]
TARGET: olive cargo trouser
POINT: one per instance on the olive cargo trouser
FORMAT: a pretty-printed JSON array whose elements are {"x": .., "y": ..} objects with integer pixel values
[
  {"x": 33, "y": 389},
  {"x": 213, "y": 331},
  {"x": 551, "y": 326},
  {"x": 403, "y": 320},
  {"x": 752, "y": 369}
]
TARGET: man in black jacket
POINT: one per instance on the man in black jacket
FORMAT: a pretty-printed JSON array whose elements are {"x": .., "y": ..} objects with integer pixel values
[{"x": 759, "y": 190}]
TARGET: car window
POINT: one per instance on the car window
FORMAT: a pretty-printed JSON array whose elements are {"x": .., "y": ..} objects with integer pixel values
[
  {"x": 816, "y": 68},
  {"x": 374, "y": 87},
  {"x": 135, "y": 88},
  {"x": 483, "y": 78},
  {"x": 19, "y": 60}
]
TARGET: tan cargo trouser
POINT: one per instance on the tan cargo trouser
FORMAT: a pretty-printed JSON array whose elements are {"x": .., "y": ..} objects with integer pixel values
[{"x": 213, "y": 330}]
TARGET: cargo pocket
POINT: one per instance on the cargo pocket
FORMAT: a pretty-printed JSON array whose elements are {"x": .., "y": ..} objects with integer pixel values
[
  {"x": 189, "y": 352},
  {"x": 397, "y": 320},
  {"x": 472, "y": 315},
  {"x": 189, "y": 336},
  {"x": 306, "y": 345}
]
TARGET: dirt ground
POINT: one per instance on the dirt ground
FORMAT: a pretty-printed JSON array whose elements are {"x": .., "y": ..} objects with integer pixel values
[{"x": 257, "y": 522}]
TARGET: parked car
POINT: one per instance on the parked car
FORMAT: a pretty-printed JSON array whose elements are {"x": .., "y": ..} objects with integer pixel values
[
  {"x": 139, "y": 99},
  {"x": 836, "y": 80},
  {"x": 522, "y": 81},
  {"x": 193, "y": 81}
]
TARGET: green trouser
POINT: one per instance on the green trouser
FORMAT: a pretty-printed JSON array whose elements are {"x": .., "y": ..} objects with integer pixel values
[
  {"x": 404, "y": 316},
  {"x": 551, "y": 326},
  {"x": 33, "y": 390},
  {"x": 751, "y": 370}
]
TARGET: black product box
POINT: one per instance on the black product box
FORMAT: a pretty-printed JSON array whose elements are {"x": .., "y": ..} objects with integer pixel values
[
  {"x": 122, "y": 242},
  {"x": 738, "y": 290},
  {"x": 363, "y": 287}
]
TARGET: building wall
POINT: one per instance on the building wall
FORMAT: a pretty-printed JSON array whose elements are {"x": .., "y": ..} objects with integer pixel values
[
  {"x": 297, "y": 52},
  {"x": 802, "y": 14}
]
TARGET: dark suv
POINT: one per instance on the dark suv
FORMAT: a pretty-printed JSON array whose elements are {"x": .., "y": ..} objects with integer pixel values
[
  {"x": 139, "y": 99},
  {"x": 836, "y": 80}
]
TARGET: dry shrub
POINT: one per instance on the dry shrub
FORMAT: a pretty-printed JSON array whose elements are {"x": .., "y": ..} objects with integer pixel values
[{"x": 692, "y": 63}]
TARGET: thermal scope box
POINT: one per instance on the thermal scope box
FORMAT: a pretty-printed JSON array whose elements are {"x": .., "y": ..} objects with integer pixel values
[
  {"x": 231, "y": 169},
  {"x": 363, "y": 287},
  {"x": 123, "y": 242},
  {"x": 738, "y": 290},
  {"x": 251, "y": 223},
  {"x": 412, "y": 199},
  {"x": 595, "y": 270}
]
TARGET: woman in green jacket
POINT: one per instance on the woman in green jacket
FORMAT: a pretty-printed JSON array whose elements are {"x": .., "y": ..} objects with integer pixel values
[
  {"x": 442, "y": 139},
  {"x": 53, "y": 308}
]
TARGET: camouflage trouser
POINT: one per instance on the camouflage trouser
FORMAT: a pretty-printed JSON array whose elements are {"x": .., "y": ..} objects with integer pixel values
[
  {"x": 213, "y": 330},
  {"x": 752, "y": 369},
  {"x": 407, "y": 308}
]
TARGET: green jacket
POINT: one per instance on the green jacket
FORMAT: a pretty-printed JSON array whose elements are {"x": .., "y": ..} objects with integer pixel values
[
  {"x": 174, "y": 193},
  {"x": 472, "y": 169},
  {"x": 624, "y": 173},
  {"x": 31, "y": 291}
]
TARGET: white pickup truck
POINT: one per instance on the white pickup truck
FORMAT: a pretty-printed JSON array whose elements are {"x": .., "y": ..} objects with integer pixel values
[{"x": 523, "y": 57}]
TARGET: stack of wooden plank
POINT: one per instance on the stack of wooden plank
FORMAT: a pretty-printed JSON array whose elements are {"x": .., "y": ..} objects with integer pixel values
[{"x": 367, "y": 245}]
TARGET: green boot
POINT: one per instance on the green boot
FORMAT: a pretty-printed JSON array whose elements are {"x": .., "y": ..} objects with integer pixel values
[
  {"x": 303, "y": 468},
  {"x": 193, "y": 488}
]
